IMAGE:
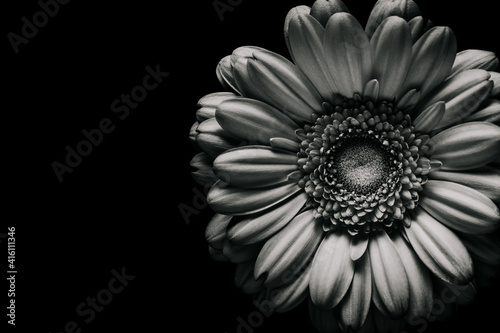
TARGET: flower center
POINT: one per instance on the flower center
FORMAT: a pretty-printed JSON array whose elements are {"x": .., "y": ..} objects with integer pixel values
[{"x": 361, "y": 165}]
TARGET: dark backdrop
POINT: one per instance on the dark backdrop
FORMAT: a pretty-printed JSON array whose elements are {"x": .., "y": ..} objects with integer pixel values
[{"x": 118, "y": 208}]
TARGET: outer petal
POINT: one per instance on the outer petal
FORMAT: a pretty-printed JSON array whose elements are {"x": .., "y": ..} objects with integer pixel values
[
  {"x": 216, "y": 230},
  {"x": 347, "y": 53},
  {"x": 485, "y": 180},
  {"x": 207, "y": 105},
  {"x": 258, "y": 227},
  {"x": 238, "y": 254},
  {"x": 212, "y": 139},
  {"x": 462, "y": 94},
  {"x": 237, "y": 201},
  {"x": 244, "y": 280},
  {"x": 495, "y": 77},
  {"x": 489, "y": 111},
  {"x": 419, "y": 279},
  {"x": 433, "y": 57},
  {"x": 306, "y": 38},
  {"x": 273, "y": 79},
  {"x": 439, "y": 248},
  {"x": 254, "y": 121},
  {"x": 467, "y": 146},
  {"x": 460, "y": 207},
  {"x": 474, "y": 59},
  {"x": 390, "y": 284},
  {"x": 406, "y": 9},
  {"x": 332, "y": 271},
  {"x": 355, "y": 305},
  {"x": 391, "y": 48},
  {"x": 292, "y": 246},
  {"x": 324, "y": 321},
  {"x": 322, "y": 10},
  {"x": 485, "y": 248},
  {"x": 204, "y": 174},
  {"x": 291, "y": 14}
]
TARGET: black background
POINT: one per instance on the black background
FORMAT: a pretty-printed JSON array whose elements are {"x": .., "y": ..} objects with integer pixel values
[{"x": 119, "y": 207}]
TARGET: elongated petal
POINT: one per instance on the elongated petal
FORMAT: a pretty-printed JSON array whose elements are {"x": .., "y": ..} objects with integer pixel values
[
  {"x": 244, "y": 280},
  {"x": 255, "y": 166},
  {"x": 372, "y": 89},
  {"x": 467, "y": 146},
  {"x": 391, "y": 48},
  {"x": 281, "y": 84},
  {"x": 290, "y": 295},
  {"x": 474, "y": 59},
  {"x": 285, "y": 144},
  {"x": 231, "y": 200},
  {"x": 359, "y": 244},
  {"x": 216, "y": 230},
  {"x": 485, "y": 248},
  {"x": 254, "y": 121},
  {"x": 212, "y": 139},
  {"x": 419, "y": 279},
  {"x": 291, "y": 14},
  {"x": 430, "y": 119},
  {"x": 488, "y": 111},
  {"x": 460, "y": 207},
  {"x": 355, "y": 305},
  {"x": 332, "y": 271},
  {"x": 306, "y": 43},
  {"x": 207, "y": 105},
  {"x": 204, "y": 174},
  {"x": 417, "y": 25},
  {"x": 382, "y": 10},
  {"x": 390, "y": 284},
  {"x": 485, "y": 180},
  {"x": 495, "y": 77},
  {"x": 258, "y": 227},
  {"x": 454, "y": 87},
  {"x": 224, "y": 72},
  {"x": 293, "y": 245},
  {"x": 347, "y": 53},
  {"x": 439, "y": 248},
  {"x": 432, "y": 59},
  {"x": 322, "y": 10}
]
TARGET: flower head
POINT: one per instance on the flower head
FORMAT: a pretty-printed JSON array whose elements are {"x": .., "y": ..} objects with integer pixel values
[{"x": 363, "y": 175}]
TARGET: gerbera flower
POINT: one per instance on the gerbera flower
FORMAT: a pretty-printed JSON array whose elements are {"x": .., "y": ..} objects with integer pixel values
[{"x": 363, "y": 175}]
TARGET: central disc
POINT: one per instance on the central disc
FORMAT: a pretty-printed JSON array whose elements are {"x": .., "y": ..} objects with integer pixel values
[{"x": 362, "y": 165}]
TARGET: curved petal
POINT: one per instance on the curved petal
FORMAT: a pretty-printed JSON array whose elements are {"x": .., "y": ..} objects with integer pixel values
[
  {"x": 322, "y": 10},
  {"x": 212, "y": 139},
  {"x": 406, "y": 9},
  {"x": 432, "y": 59},
  {"x": 495, "y": 77},
  {"x": 332, "y": 270},
  {"x": 460, "y": 207},
  {"x": 291, "y": 14},
  {"x": 359, "y": 244},
  {"x": 430, "y": 119},
  {"x": 419, "y": 279},
  {"x": 489, "y": 111},
  {"x": 273, "y": 79},
  {"x": 355, "y": 305},
  {"x": 231, "y": 200},
  {"x": 391, "y": 48},
  {"x": 466, "y": 146},
  {"x": 204, "y": 174},
  {"x": 474, "y": 59},
  {"x": 439, "y": 248},
  {"x": 390, "y": 284},
  {"x": 255, "y": 166},
  {"x": 347, "y": 54},
  {"x": 254, "y": 121},
  {"x": 207, "y": 105},
  {"x": 215, "y": 233},
  {"x": 224, "y": 72},
  {"x": 306, "y": 38},
  {"x": 290, "y": 295},
  {"x": 258, "y": 227},
  {"x": 485, "y": 180},
  {"x": 462, "y": 94},
  {"x": 289, "y": 250}
]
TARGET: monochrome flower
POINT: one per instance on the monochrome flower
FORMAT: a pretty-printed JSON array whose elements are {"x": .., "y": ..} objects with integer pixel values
[{"x": 364, "y": 175}]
